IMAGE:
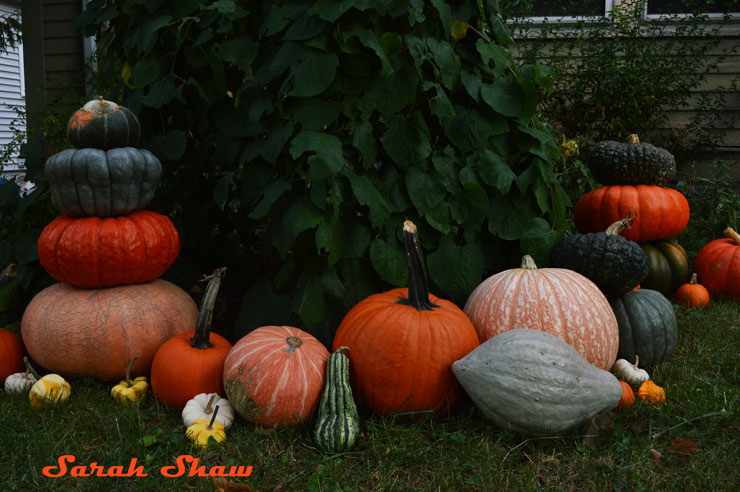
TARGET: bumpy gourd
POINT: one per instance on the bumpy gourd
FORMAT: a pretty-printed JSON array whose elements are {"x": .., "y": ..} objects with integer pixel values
[
  {"x": 631, "y": 163},
  {"x": 532, "y": 382},
  {"x": 613, "y": 263},
  {"x": 102, "y": 124},
  {"x": 94, "y": 182},
  {"x": 337, "y": 425}
]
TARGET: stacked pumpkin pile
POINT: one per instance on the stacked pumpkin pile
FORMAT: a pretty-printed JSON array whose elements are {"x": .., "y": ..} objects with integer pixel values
[{"x": 107, "y": 253}]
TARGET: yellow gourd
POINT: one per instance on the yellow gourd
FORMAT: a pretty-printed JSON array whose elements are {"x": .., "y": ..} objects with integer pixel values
[
  {"x": 128, "y": 392},
  {"x": 48, "y": 391},
  {"x": 203, "y": 430},
  {"x": 651, "y": 393}
]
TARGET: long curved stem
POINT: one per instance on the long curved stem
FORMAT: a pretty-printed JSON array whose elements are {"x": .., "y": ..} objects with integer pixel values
[
  {"x": 418, "y": 296},
  {"x": 202, "y": 337}
]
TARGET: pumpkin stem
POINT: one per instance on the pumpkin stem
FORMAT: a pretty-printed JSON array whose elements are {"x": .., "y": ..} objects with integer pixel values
[
  {"x": 213, "y": 418},
  {"x": 202, "y": 337},
  {"x": 633, "y": 139},
  {"x": 342, "y": 348},
  {"x": 208, "y": 408},
  {"x": 694, "y": 280},
  {"x": 418, "y": 295},
  {"x": 730, "y": 232},
  {"x": 637, "y": 360},
  {"x": 29, "y": 367},
  {"x": 528, "y": 263},
  {"x": 128, "y": 371},
  {"x": 622, "y": 225}
]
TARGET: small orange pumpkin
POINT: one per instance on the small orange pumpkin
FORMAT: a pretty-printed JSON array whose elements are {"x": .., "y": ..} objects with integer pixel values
[
  {"x": 11, "y": 353},
  {"x": 191, "y": 363},
  {"x": 651, "y": 393},
  {"x": 693, "y": 294},
  {"x": 628, "y": 397}
]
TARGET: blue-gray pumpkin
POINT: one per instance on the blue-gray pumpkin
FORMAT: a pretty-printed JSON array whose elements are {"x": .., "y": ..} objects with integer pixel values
[
  {"x": 101, "y": 124},
  {"x": 94, "y": 182}
]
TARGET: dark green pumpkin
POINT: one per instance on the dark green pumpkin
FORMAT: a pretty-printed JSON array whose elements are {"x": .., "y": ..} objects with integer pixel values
[
  {"x": 615, "y": 264},
  {"x": 647, "y": 326},
  {"x": 668, "y": 266},
  {"x": 631, "y": 163},
  {"x": 101, "y": 124},
  {"x": 93, "y": 182},
  {"x": 338, "y": 423}
]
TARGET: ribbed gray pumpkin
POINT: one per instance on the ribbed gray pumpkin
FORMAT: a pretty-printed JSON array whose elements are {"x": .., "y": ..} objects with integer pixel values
[
  {"x": 615, "y": 264},
  {"x": 337, "y": 423},
  {"x": 534, "y": 383},
  {"x": 101, "y": 124},
  {"x": 647, "y": 326},
  {"x": 94, "y": 182},
  {"x": 631, "y": 163}
]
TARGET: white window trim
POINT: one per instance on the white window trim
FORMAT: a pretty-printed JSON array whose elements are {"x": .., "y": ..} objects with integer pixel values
[
  {"x": 677, "y": 16},
  {"x": 22, "y": 68},
  {"x": 570, "y": 19}
]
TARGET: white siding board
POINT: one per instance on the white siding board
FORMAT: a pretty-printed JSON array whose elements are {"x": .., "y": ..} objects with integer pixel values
[{"x": 12, "y": 93}]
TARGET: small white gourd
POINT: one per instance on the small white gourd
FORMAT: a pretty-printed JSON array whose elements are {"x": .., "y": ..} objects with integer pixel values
[
  {"x": 202, "y": 406},
  {"x": 19, "y": 382},
  {"x": 630, "y": 373}
]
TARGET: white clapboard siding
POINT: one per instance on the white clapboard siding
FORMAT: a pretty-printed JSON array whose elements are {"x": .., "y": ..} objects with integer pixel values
[{"x": 12, "y": 95}]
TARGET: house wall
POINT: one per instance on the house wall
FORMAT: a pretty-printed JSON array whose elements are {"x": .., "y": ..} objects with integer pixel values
[{"x": 12, "y": 96}]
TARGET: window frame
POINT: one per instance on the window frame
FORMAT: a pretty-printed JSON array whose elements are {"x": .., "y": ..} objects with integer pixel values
[
  {"x": 570, "y": 19},
  {"x": 647, "y": 17}
]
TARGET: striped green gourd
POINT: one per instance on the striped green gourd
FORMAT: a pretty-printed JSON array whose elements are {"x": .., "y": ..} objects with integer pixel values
[{"x": 338, "y": 423}]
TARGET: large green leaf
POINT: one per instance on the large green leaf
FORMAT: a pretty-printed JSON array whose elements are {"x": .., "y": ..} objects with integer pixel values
[
  {"x": 331, "y": 237},
  {"x": 504, "y": 96},
  {"x": 457, "y": 270},
  {"x": 494, "y": 171},
  {"x": 313, "y": 73},
  {"x": 328, "y": 149},
  {"x": 367, "y": 194},
  {"x": 404, "y": 142},
  {"x": 425, "y": 189},
  {"x": 389, "y": 262}
]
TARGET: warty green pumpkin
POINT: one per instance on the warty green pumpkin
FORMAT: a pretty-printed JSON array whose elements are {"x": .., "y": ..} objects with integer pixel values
[
  {"x": 630, "y": 163},
  {"x": 337, "y": 426},
  {"x": 94, "y": 182},
  {"x": 532, "y": 382}
]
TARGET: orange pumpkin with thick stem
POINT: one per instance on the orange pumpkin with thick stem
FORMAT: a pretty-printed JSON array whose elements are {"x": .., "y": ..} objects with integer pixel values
[
  {"x": 693, "y": 294},
  {"x": 11, "y": 353},
  {"x": 91, "y": 252},
  {"x": 717, "y": 265},
  {"x": 193, "y": 362},
  {"x": 661, "y": 212},
  {"x": 403, "y": 343},
  {"x": 273, "y": 376},
  {"x": 96, "y": 332}
]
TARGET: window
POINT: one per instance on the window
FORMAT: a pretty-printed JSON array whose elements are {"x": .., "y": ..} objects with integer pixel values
[
  {"x": 555, "y": 10},
  {"x": 658, "y": 7}
]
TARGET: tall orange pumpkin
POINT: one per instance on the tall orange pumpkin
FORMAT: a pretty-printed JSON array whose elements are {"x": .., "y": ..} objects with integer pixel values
[
  {"x": 191, "y": 363},
  {"x": 274, "y": 375},
  {"x": 91, "y": 252},
  {"x": 403, "y": 343},
  {"x": 717, "y": 265},
  {"x": 661, "y": 212},
  {"x": 11, "y": 353},
  {"x": 554, "y": 300},
  {"x": 96, "y": 332}
]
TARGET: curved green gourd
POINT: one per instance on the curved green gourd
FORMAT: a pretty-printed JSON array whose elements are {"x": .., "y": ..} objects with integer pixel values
[
  {"x": 94, "y": 182},
  {"x": 338, "y": 423}
]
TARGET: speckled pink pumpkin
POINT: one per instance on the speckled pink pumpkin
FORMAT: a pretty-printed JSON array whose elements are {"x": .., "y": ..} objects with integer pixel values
[{"x": 553, "y": 300}]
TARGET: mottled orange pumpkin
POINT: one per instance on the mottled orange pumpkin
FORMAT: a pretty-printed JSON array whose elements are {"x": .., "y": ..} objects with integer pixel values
[
  {"x": 403, "y": 343},
  {"x": 651, "y": 393},
  {"x": 191, "y": 363},
  {"x": 717, "y": 265},
  {"x": 96, "y": 332},
  {"x": 92, "y": 252},
  {"x": 11, "y": 353},
  {"x": 661, "y": 212},
  {"x": 273, "y": 376},
  {"x": 558, "y": 301},
  {"x": 693, "y": 294}
]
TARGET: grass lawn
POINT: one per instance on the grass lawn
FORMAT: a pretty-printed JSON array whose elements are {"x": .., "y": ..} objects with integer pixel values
[{"x": 692, "y": 443}]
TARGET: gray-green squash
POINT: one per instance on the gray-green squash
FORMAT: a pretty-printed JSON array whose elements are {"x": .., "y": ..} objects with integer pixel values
[
  {"x": 338, "y": 423},
  {"x": 104, "y": 125},
  {"x": 534, "y": 383},
  {"x": 647, "y": 326},
  {"x": 100, "y": 183},
  {"x": 631, "y": 163}
]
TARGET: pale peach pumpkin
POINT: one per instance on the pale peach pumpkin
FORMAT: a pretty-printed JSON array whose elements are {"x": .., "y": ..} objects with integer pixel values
[
  {"x": 554, "y": 300},
  {"x": 96, "y": 332},
  {"x": 274, "y": 375}
]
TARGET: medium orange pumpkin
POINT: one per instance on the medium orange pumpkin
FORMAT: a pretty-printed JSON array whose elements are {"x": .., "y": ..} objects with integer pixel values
[
  {"x": 558, "y": 301},
  {"x": 193, "y": 362},
  {"x": 403, "y": 343},
  {"x": 91, "y": 252},
  {"x": 661, "y": 212},
  {"x": 693, "y": 294},
  {"x": 274, "y": 375},
  {"x": 717, "y": 265},
  {"x": 628, "y": 397},
  {"x": 96, "y": 332},
  {"x": 11, "y": 353}
]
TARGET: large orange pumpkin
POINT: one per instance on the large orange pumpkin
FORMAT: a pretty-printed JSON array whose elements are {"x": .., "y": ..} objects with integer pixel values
[
  {"x": 554, "y": 300},
  {"x": 274, "y": 375},
  {"x": 661, "y": 212},
  {"x": 92, "y": 252},
  {"x": 11, "y": 353},
  {"x": 403, "y": 343},
  {"x": 96, "y": 332},
  {"x": 717, "y": 265},
  {"x": 191, "y": 363}
]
